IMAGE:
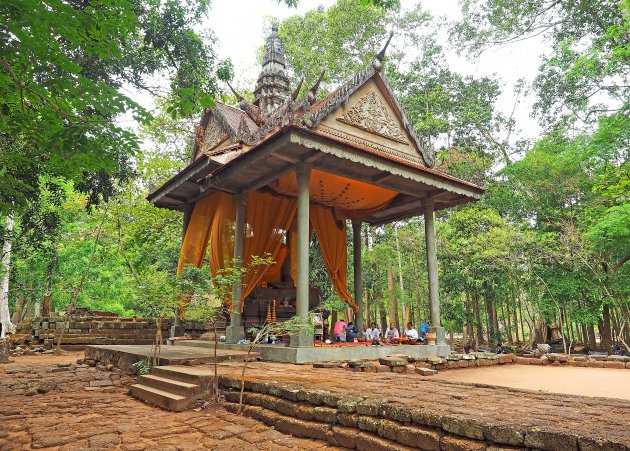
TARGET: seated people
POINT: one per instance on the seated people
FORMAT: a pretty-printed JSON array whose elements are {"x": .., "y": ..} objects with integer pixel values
[
  {"x": 373, "y": 334},
  {"x": 339, "y": 330},
  {"x": 391, "y": 333},
  {"x": 410, "y": 332},
  {"x": 352, "y": 333},
  {"x": 366, "y": 333}
]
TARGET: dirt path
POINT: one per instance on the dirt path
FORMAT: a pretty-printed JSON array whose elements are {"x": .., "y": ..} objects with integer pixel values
[
  {"x": 602, "y": 382},
  {"x": 50, "y": 403}
]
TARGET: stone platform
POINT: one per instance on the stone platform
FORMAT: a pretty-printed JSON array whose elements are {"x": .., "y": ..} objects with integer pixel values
[
  {"x": 123, "y": 356},
  {"x": 275, "y": 353}
]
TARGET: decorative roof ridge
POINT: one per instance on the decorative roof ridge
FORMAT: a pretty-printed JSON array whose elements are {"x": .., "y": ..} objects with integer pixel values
[{"x": 320, "y": 110}]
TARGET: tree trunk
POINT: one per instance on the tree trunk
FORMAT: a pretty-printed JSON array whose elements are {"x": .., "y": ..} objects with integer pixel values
[
  {"x": 520, "y": 311},
  {"x": 508, "y": 329},
  {"x": 606, "y": 332},
  {"x": 383, "y": 318},
  {"x": 478, "y": 324},
  {"x": 17, "y": 315},
  {"x": 405, "y": 317},
  {"x": 75, "y": 295},
  {"x": 592, "y": 341},
  {"x": 491, "y": 320},
  {"x": 5, "y": 269},
  {"x": 333, "y": 320},
  {"x": 392, "y": 304},
  {"x": 46, "y": 306}
]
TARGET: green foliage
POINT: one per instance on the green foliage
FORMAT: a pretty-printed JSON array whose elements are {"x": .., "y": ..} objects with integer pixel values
[
  {"x": 62, "y": 68},
  {"x": 141, "y": 367}
]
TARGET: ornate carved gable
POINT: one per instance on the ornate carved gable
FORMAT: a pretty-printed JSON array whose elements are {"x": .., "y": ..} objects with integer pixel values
[
  {"x": 370, "y": 114},
  {"x": 213, "y": 135}
]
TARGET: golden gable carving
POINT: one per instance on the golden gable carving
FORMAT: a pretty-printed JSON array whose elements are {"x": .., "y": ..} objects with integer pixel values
[{"x": 370, "y": 114}]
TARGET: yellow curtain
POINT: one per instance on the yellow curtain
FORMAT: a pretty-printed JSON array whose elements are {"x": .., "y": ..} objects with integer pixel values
[
  {"x": 198, "y": 231},
  {"x": 331, "y": 234},
  {"x": 268, "y": 219}
]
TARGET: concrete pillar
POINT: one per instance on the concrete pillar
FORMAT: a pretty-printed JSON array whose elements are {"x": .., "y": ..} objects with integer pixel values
[
  {"x": 303, "y": 174},
  {"x": 358, "y": 274},
  {"x": 177, "y": 329},
  {"x": 434, "y": 301},
  {"x": 235, "y": 331}
]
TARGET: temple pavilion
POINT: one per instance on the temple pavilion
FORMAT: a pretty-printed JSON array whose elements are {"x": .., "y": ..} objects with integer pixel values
[{"x": 265, "y": 176}]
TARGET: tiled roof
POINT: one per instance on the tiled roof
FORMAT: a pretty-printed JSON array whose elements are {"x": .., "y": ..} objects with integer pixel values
[{"x": 233, "y": 117}]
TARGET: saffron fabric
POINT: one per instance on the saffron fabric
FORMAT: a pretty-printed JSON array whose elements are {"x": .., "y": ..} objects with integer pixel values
[
  {"x": 198, "y": 231},
  {"x": 331, "y": 234},
  {"x": 353, "y": 198},
  {"x": 268, "y": 219}
]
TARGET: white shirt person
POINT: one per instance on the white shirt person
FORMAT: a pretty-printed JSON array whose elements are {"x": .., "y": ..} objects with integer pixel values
[{"x": 410, "y": 332}]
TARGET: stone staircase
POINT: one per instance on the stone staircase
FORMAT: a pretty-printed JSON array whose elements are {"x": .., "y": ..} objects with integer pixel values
[{"x": 173, "y": 387}]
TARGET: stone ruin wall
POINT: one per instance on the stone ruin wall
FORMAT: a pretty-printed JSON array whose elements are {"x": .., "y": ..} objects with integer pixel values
[{"x": 87, "y": 327}]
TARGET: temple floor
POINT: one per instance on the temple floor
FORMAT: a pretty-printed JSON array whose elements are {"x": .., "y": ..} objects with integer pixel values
[
  {"x": 51, "y": 402},
  {"x": 71, "y": 407}
]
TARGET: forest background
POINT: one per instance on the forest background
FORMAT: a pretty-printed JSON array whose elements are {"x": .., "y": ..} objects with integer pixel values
[{"x": 544, "y": 254}]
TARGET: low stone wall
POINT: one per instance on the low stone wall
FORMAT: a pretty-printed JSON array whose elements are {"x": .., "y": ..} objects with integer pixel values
[
  {"x": 365, "y": 424},
  {"x": 589, "y": 361},
  {"x": 425, "y": 366},
  {"x": 86, "y": 327}
]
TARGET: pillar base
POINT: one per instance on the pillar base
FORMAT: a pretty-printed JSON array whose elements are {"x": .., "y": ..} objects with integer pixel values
[
  {"x": 178, "y": 330},
  {"x": 440, "y": 335},
  {"x": 234, "y": 333},
  {"x": 301, "y": 340}
]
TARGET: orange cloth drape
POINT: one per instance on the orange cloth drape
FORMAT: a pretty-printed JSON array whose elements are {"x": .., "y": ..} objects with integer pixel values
[
  {"x": 331, "y": 234},
  {"x": 354, "y": 198},
  {"x": 268, "y": 219},
  {"x": 222, "y": 235},
  {"x": 274, "y": 272},
  {"x": 198, "y": 231}
]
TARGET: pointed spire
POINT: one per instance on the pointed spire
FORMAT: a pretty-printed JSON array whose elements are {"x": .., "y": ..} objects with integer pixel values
[{"x": 272, "y": 89}]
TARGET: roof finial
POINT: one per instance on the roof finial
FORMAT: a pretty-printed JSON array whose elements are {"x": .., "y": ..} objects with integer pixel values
[
  {"x": 296, "y": 92},
  {"x": 377, "y": 64},
  {"x": 381, "y": 55},
  {"x": 312, "y": 93},
  {"x": 238, "y": 96}
]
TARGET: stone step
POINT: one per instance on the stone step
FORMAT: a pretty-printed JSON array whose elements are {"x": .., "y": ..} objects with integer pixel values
[
  {"x": 170, "y": 385},
  {"x": 187, "y": 374},
  {"x": 161, "y": 398}
]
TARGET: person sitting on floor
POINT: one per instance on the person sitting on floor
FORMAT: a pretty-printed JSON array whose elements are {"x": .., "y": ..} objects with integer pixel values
[
  {"x": 339, "y": 330},
  {"x": 352, "y": 333},
  {"x": 373, "y": 334},
  {"x": 392, "y": 332},
  {"x": 470, "y": 345},
  {"x": 365, "y": 334},
  {"x": 410, "y": 332}
]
